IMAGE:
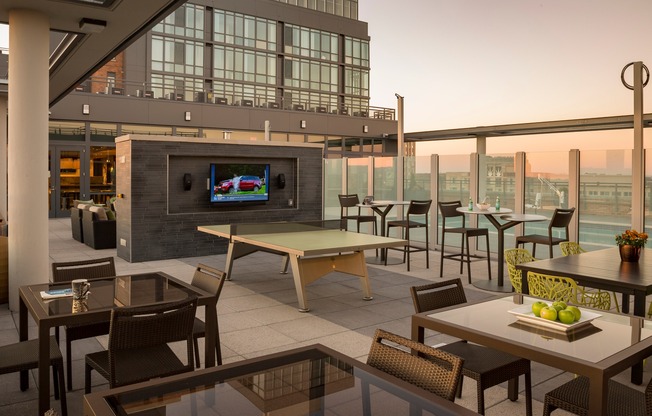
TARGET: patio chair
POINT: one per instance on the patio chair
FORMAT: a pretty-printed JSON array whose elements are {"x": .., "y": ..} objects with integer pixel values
[
  {"x": 138, "y": 343},
  {"x": 561, "y": 219},
  {"x": 621, "y": 400},
  {"x": 350, "y": 201},
  {"x": 209, "y": 280},
  {"x": 488, "y": 367},
  {"x": 449, "y": 210},
  {"x": 571, "y": 248},
  {"x": 565, "y": 289},
  {"x": 416, "y": 208},
  {"x": 514, "y": 257},
  {"x": 24, "y": 356},
  {"x": 433, "y": 370},
  {"x": 84, "y": 269}
]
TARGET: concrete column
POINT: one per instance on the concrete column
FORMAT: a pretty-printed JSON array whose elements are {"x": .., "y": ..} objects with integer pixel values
[
  {"x": 27, "y": 168},
  {"x": 3, "y": 158}
]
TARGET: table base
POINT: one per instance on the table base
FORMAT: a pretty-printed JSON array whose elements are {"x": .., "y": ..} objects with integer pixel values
[
  {"x": 492, "y": 285},
  {"x": 391, "y": 261}
]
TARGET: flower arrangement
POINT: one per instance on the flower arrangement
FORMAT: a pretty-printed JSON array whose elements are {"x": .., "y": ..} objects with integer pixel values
[{"x": 631, "y": 238}]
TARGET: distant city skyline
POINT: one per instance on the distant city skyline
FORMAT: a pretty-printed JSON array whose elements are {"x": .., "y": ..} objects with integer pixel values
[{"x": 467, "y": 63}]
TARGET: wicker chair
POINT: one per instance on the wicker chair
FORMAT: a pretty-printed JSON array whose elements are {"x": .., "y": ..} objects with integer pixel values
[
  {"x": 138, "y": 343},
  {"x": 561, "y": 218},
  {"x": 86, "y": 269},
  {"x": 514, "y": 257},
  {"x": 449, "y": 210},
  {"x": 209, "y": 280},
  {"x": 488, "y": 367},
  {"x": 433, "y": 370},
  {"x": 571, "y": 248},
  {"x": 416, "y": 208},
  {"x": 565, "y": 289},
  {"x": 621, "y": 400},
  {"x": 24, "y": 356}
]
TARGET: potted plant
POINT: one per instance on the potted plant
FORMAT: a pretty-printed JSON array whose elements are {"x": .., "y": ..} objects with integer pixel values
[{"x": 630, "y": 243}]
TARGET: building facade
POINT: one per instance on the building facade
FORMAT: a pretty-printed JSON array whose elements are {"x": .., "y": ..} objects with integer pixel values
[{"x": 279, "y": 70}]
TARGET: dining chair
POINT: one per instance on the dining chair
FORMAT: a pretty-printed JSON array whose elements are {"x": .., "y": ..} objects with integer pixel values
[
  {"x": 449, "y": 211},
  {"x": 571, "y": 248},
  {"x": 433, "y": 370},
  {"x": 621, "y": 400},
  {"x": 415, "y": 209},
  {"x": 566, "y": 289},
  {"x": 209, "y": 280},
  {"x": 138, "y": 343},
  {"x": 24, "y": 355},
  {"x": 83, "y": 269},
  {"x": 350, "y": 201},
  {"x": 488, "y": 367},
  {"x": 514, "y": 257},
  {"x": 561, "y": 219}
]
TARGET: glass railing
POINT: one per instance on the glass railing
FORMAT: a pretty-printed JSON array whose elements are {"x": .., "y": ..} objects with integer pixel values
[{"x": 603, "y": 182}]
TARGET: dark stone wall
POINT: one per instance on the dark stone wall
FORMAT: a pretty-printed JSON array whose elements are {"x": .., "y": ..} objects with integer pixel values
[{"x": 158, "y": 219}]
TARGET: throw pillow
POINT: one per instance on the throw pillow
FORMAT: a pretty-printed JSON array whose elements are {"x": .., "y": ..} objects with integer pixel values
[
  {"x": 110, "y": 214},
  {"x": 101, "y": 213}
]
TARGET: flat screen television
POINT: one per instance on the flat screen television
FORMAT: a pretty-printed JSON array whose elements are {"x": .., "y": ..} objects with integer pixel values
[{"x": 239, "y": 182}]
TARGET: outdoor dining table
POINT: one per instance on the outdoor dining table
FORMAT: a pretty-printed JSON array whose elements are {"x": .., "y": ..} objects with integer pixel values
[
  {"x": 313, "y": 380},
  {"x": 382, "y": 208},
  {"x": 599, "y": 349},
  {"x": 105, "y": 294},
  {"x": 512, "y": 219}
]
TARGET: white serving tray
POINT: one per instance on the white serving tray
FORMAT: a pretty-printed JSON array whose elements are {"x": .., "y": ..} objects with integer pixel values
[{"x": 524, "y": 313}]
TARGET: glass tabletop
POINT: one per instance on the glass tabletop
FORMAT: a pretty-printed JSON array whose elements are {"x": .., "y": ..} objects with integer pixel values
[{"x": 107, "y": 293}]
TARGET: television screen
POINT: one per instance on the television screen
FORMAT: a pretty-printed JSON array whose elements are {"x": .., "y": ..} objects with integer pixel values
[{"x": 239, "y": 182}]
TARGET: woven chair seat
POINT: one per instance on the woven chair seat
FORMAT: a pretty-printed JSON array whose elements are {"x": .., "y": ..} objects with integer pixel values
[
  {"x": 138, "y": 365},
  {"x": 574, "y": 397},
  {"x": 540, "y": 239}
]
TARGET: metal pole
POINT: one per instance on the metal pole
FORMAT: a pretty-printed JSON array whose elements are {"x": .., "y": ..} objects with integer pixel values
[{"x": 400, "y": 153}]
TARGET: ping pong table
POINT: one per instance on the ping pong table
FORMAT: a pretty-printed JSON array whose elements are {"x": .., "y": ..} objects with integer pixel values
[{"x": 312, "y": 250}]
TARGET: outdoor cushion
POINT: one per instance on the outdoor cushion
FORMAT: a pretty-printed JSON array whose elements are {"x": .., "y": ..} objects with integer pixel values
[
  {"x": 101, "y": 213},
  {"x": 110, "y": 214}
]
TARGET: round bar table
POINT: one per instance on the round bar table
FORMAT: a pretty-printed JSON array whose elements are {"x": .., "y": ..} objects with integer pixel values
[
  {"x": 506, "y": 214},
  {"x": 382, "y": 208}
]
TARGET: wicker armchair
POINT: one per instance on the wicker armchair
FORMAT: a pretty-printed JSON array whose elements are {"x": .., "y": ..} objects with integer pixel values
[
  {"x": 565, "y": 289},
  {"x": 209, "y": 280},
  {"x": 24, "y": 356},
  {"x": 488, "y": 367},
  {"x": 621, "y": 400},
  {"x": 85, "y": 269},
  {"x": 433, "y": 370},
  {"x": 514, "y": 257},
  {"x": 138, "y": 343},
  {"x": 571, "y": 248}
]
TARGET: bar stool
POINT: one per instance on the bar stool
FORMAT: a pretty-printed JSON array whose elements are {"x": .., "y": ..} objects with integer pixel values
[
  {"x": 350, "y": 201},
  {"x": 415, "y": 208},
  {"x": 449, "y": 210}
]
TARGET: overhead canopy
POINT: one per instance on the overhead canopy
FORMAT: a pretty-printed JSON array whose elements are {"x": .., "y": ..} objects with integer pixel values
[{"x": 88, "y": 33}]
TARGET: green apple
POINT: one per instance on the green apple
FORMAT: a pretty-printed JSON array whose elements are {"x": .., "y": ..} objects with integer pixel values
[
  {"x": 549, "y": 313},
  {"x": 576, "y": 311},
  {"x": 566, "y": 316},
  {"x": 536, "y": 307},
  {"x": 559, "y": 305}
]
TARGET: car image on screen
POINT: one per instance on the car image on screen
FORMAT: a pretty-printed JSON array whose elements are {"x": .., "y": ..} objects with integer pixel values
[{"x": 246, "y": 183}]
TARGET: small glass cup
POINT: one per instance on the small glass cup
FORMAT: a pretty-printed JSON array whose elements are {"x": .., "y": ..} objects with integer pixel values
[{"x": 80, "y": 289}]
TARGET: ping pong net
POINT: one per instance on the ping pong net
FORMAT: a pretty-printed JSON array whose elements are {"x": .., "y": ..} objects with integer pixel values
[{"x": 284, "y": 227}]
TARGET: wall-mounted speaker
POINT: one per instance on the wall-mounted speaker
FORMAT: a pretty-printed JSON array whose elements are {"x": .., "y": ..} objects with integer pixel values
[
  {"x": 187, "y": 181},
  {"x": 281, "y": 180}
]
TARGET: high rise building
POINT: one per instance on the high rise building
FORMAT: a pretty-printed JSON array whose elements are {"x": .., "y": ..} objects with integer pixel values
[{"x": 280, "y": 70}]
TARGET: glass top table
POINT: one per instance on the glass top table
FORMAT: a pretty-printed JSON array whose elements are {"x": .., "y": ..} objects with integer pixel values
[
  {"x": 105, "y": 294},
  {"x": 308, "y": 380}
]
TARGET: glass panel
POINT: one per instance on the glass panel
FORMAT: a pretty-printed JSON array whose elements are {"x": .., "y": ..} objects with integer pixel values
[
  {"x": 605, "y": 196},
  {"x": 102, "y": 174},
  {"x": 103, "y": 132},
  {"x": 453, "y": 183},
  {"x": 136, "y": 129},
  {"x": 385, "y": 179},
  {"x": 187, "y": 132},
  {"x": 69, "y": 174},
  {"x": 67, "y": 131},
  {"x": 333, "y": 187},
  {"x": 358, "y": 177},
  {"x": 648, "y": 192},
  {"x": 496, "y": 180},
  {"x": 417, "y": 179}
]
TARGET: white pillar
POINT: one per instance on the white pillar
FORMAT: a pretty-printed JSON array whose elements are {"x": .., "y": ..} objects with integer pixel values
[
  {"x": 3, "y": 158},
  {"x": 27, "y": 168}
]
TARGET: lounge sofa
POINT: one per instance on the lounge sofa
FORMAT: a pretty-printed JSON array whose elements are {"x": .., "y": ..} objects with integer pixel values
[
  {"x": 76, "y": 224},
  {"x": 98, "y": 233}
]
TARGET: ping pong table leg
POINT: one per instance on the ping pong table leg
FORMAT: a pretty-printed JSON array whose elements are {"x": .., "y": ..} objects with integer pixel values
[{"x": 299, "y": 283}]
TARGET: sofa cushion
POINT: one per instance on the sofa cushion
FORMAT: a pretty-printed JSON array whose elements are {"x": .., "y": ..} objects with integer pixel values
[
  {"x": 80, "y": 201},
  {"x": 110, "y": 214},
  {"x": 100, "y": 212}
]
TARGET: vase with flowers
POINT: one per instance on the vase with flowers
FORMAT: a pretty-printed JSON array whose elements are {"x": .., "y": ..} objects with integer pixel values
[{"x": 630, "y": 243}]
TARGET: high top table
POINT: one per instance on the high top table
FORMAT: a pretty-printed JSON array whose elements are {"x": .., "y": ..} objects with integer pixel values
[
  {"x": 512, "y": 219},
  {"x": 382, "y": 208}
]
